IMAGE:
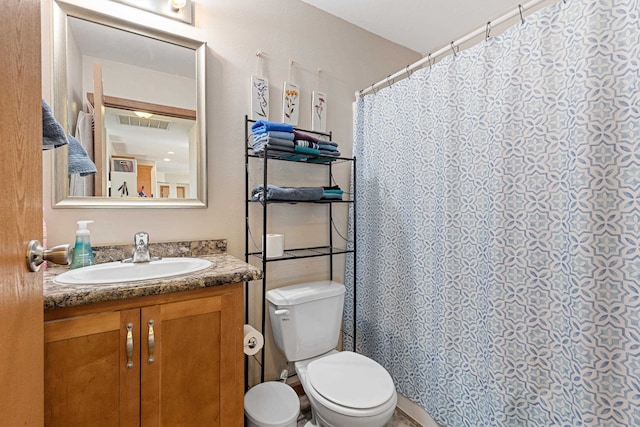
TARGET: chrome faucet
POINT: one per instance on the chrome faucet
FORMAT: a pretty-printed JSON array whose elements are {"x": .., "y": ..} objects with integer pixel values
[{"x": 141, "y": 249}]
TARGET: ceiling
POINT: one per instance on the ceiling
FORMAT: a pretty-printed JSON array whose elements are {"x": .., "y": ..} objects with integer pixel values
[{"x": 420, "y": 25}]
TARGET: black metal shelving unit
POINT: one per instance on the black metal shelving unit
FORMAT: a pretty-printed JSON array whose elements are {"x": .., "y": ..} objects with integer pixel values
[{"x": 293, "y": 253}]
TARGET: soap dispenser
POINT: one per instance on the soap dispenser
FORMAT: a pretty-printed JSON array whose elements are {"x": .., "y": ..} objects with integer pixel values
[{"x": 82, "y": 252}]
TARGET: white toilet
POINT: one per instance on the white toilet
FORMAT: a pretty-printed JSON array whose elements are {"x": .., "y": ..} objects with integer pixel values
[{"x": 345, "y": 389}]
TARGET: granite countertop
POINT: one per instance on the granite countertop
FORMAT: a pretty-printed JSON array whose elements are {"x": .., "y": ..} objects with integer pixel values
[{"x": 226, "y": 269}]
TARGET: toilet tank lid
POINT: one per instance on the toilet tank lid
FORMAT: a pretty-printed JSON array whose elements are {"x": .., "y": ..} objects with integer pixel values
[{"x": 305, "y": 292}]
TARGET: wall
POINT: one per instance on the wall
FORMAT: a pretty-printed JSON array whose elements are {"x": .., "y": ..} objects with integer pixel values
[{"x": 350, "y": 59}]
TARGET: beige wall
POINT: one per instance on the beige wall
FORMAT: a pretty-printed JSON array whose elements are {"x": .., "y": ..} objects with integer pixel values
[{"x": 350, "y": 59}]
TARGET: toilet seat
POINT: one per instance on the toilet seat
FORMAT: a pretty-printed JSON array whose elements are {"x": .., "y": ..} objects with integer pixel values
[{"x": 350, "y": 380}]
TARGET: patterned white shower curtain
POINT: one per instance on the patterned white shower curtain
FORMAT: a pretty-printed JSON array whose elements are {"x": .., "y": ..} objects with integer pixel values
[{"x": 498, "y": 225}]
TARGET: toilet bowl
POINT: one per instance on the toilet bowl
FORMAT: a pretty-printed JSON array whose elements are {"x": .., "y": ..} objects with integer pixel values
[
  {"x": 347, "y": 389},
  {"x": 271, "y": 404}
]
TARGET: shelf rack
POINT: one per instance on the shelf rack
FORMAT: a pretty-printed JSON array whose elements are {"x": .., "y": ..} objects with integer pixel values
[{"x": 293, "y": 253}]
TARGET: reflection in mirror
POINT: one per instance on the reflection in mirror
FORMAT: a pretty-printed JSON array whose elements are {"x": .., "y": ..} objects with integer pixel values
[{"x": 134, "y": 98}]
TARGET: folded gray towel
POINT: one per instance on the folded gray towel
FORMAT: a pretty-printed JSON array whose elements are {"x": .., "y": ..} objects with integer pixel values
[
  {"x": 53, "y": 135},
  {"x": 291, "y": 194},
  {"x": 79, "y": 161}
]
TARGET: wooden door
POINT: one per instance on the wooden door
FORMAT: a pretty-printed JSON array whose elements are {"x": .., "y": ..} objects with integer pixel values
[
  {"x": 180, "y": 190},
  {"x": 21, "y": 313},
  {"x": 144, "y": 179},
  {"x": 184, "y": 384},
  {"x": 92, "y": 370}
]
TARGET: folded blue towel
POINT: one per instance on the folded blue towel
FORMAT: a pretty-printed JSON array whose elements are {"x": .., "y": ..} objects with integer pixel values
[
  {"x": 273, "y": 134},
  {"x": 331, "y": 196},
  {"x": 329, "y": 153},
  {"x": 306, "y": 150},
  {"x": 79, "y": 161},
  {"x": 275, "y": 154},
  {"x": 272, "y": 142},
  {"x": 53, "y": 135},
  {"x": 262, "y": 126},
  {"x": 327, "y": 147},
  {"x": 325, "y": 142},
  {"x": 297, "y": 157},
  {"x": 292, "y": 194}
]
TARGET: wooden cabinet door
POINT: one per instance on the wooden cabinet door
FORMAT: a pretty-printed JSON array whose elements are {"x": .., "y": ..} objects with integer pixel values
[
  {"x": 92, "y": 370},
  {"x": 183, "y": 384}
]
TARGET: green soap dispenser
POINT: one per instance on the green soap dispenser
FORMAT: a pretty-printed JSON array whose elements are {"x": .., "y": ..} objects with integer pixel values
[{"x": 82, "y": 253}]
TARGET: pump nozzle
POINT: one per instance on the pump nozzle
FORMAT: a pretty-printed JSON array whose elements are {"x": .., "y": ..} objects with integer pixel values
[{"x": 82, "y": 225}]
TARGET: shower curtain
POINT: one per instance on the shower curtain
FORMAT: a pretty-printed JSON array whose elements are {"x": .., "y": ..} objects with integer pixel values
[{"x": 498, "y": 225}]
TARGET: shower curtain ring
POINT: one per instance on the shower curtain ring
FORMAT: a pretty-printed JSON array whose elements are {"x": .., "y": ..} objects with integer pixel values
[
  {"x": 429, "y": 60},
  {"x": 388, "y": 83},
  {"x": 455, "y": 49},
  {"x": 487, "y": 32},
  {"x": 520, "y": 11},
  {"x": 406, "y": 70}
]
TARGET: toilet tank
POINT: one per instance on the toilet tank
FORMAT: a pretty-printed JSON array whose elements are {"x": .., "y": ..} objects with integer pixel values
[{"x": 306, "y": 318}]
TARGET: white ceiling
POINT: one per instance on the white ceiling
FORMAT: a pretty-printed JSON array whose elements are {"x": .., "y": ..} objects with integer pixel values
[{"x": 421, "y": 25}]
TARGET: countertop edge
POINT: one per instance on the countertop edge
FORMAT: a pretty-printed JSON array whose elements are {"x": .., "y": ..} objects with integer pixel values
[{"x": 226, "y": 269}]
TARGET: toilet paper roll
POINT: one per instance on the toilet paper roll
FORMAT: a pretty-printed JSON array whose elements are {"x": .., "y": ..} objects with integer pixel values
[
  {"x": 275, "y": 245},
  {"x": 253, "y": 340}
]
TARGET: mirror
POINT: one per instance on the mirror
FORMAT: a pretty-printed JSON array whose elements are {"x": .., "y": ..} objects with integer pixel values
[{"x": 134, "y": 97}]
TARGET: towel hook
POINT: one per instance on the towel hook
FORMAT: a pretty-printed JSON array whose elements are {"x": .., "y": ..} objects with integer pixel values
[{"x": 487, "y": 32}]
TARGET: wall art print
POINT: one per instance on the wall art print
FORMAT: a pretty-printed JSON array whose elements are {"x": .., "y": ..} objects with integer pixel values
[
  {"x": 259, "y": 98},
  {"x": 319, "y": 111},
  {"x": 290, "y": 103}
]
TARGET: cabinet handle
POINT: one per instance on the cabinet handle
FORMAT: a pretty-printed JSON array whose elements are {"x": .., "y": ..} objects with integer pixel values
[
  {"x": 151, "y": 342},
  {"x": 129, "y": 345}
]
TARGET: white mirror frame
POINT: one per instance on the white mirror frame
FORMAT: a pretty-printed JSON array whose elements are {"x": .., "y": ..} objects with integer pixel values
[{"x": 60, "y": 180}]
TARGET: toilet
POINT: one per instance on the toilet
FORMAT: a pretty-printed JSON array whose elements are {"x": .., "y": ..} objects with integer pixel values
[
  {"x": 345, "y": 389},
  {"x": 271, "y": 404}
]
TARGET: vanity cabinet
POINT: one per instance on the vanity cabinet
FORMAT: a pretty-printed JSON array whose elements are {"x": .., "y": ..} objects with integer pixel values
[{"x": 164, "y": 360}]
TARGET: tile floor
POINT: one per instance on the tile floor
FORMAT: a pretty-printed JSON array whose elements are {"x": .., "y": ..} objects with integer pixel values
[{"x": 399, "y": 418}]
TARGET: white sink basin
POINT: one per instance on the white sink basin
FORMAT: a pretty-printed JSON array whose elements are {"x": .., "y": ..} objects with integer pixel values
[{"x": 118, "y": 272}]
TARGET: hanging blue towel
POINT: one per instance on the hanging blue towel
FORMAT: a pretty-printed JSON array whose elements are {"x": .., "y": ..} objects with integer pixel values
[
  {"x": 262, "y": 126},
  {"x": 53, "y": 135},
  {"x": 79, "y": 161}
]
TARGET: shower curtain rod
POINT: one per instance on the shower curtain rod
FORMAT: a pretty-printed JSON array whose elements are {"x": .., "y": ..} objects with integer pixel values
[{"x": 452, "y": 47}]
